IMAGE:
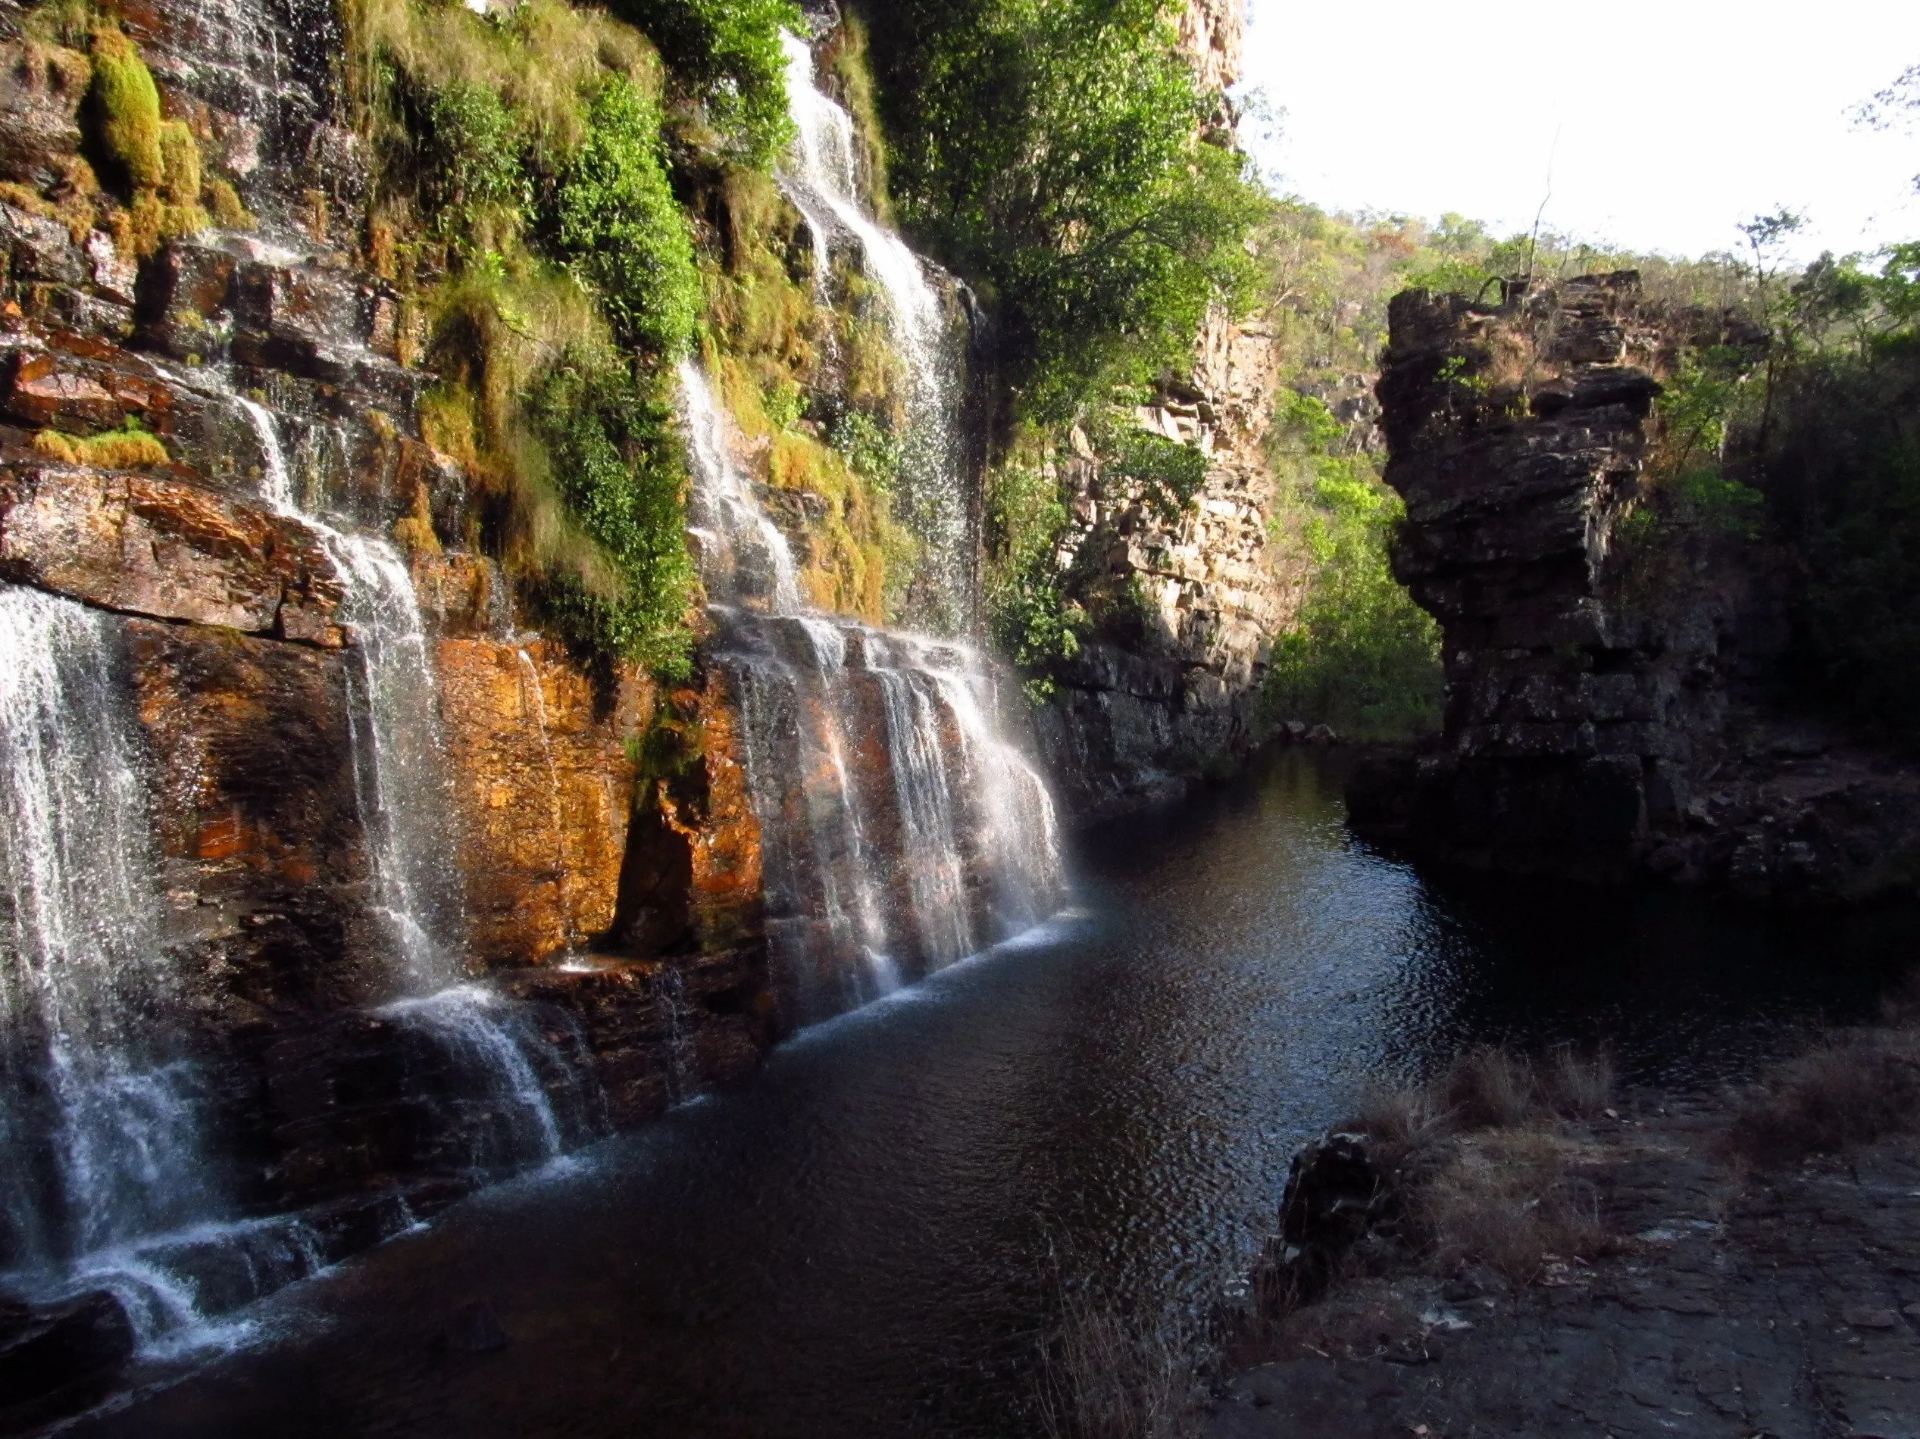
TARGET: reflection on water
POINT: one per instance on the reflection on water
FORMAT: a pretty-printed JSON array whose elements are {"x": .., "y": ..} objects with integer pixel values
[{"x": 861, "y": 1242}]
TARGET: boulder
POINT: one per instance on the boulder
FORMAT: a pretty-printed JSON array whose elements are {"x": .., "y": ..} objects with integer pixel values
[
  {"x": 73, "y": 1343},
  {"x": 1337, "y": 1192}
]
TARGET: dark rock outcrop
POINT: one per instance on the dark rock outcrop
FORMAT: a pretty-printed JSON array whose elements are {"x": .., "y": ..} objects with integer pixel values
[
  {"x": 1337, "y": 1193},
  {"x": 1607, "y": 679},
  {"x": 76, "y": 1344}
]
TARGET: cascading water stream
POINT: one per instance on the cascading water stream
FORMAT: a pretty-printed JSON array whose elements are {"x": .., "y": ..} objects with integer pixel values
[
  {"x": 899, "y": 829},
  {"x": 99, "y": 1124},
  {"x": 821, "y": 176},
  {"x": 530, "y": 685},
  {"x": 398, "y": 770},
  {"x": 401, "y": 788}
]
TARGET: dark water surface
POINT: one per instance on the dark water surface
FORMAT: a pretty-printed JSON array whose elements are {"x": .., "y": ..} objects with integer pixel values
[{"x": 865, "y": 1241}]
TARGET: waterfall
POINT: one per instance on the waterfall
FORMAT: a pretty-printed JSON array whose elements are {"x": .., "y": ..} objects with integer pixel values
[
  {"x": 398, "y": 772},
  {"x": 900, "y": 830},
  {"x": 742, "y": 553},
  {"x": 98, "y": 1120},
  {"x": 530, "y": 681},
  {"x": 821, "y": 177},
  {"x": 401, "y": 789},
  {"x": 493, "y": 1046}
]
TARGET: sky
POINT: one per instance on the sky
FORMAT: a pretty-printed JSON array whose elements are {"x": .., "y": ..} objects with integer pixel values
[{"x": 1663, "y": 123}]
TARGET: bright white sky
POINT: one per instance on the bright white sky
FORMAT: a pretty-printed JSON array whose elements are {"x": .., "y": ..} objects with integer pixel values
[{"x": 1677, "y": 119}]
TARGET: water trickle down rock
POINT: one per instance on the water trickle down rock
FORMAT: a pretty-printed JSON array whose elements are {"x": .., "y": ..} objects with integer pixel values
[
  {"x": 934, "y": 497},
  {"x": 100, "y": 1121},
  {"x": 900, "y": 829}
]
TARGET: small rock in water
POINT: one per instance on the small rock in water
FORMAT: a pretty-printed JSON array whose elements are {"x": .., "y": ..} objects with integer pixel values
[
  {"x": 476, "y": 1330},
  {"x": 1322, "y": 734},
  {"x": 48, "y": 1347}
]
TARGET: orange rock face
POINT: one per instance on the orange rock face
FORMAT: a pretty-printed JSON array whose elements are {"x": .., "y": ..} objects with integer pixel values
[
  {"x": 693, "y": 872},
  {"x": 543, "y": 787},
  {"x": 152, "y": 545}
]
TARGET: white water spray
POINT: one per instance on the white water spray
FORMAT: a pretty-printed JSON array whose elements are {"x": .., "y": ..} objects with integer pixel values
[
  {"x": 398, "y": 768},
  {"x": 108, "y": 1148},
  {"x": 821, "y": 177}
]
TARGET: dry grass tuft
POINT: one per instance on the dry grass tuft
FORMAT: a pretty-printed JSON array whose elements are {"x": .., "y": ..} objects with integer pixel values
[
  {"x": 1489, "y": 1087},
  {"x": 1851, "y": 1090},
  {"x": 1485, "y": 1163},
  {"x": 1575, "y": 1085},
  {"x": 1508, "y": 1201},
  {"x": 1106, "y": 1377}
]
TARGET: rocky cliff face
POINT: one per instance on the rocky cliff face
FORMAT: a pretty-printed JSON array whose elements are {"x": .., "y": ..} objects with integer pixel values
[
  {"x": 1137, "y": 719},
  {"x": 1608, "y": 709},
  {"x": 619, "y": 906}
]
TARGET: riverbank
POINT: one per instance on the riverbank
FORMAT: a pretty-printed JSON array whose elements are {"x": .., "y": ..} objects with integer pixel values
[{"x": 1726, "y": 1282}]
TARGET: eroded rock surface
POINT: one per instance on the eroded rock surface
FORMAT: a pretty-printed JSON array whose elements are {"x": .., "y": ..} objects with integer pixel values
[
  {"x": 1787, "y": 1305},
  {"x": 1608, "y": 703}
]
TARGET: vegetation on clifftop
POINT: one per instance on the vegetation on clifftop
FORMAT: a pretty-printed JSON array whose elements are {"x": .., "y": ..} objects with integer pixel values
[{"x": 1061, "y": 157}]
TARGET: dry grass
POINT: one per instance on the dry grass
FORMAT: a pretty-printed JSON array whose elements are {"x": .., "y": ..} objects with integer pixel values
[
  {"x": 1485, "y": 1161},
  {"x": 1104, "y": 1376},
  {"x": 1850, "y": 1090},
  {"x": 1509, "y": 1201}
]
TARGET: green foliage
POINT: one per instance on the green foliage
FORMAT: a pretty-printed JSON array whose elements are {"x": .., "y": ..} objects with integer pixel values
[
  {"x": 1030, "y": 617},
  {"x": 1696, "y": 403},
  {"x": 1049, "y": 150},
  {"x": 673, "y": 743},
  {"x": 529, "y": 148},
  {"x": 615, "y": 466},
  {"x": 727, "y": 52},
  {"x": 1361, "y": 656},
  {"x": 471, "y": 170},
  {"x": 623, "y": 231},
  {"x": 1169, "y": 474},
  {"x": 1833, "y": 446},
  {"x": 126, "y": 104},
  {"x": 871, "y": 448}
]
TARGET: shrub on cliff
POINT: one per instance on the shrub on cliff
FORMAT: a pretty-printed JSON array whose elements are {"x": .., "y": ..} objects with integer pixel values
[
  {"x": 524, "y": 159},
  {"x": 605, "y": 437},
  {"x": 727, "y": 54},
  {"x": 1360, "y": 656},
  {"x": 1052, "y": 152},
  {"x": 621, "y": 229}
]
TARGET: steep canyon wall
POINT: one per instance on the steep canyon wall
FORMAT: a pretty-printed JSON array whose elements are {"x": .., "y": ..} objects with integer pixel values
[
  {"x": 1612, "y": 643},
  {"x": 1139, "y": 717}
]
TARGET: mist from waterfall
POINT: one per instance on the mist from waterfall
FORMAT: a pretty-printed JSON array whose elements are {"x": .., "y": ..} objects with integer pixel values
[{"x": 821, "y": 176}]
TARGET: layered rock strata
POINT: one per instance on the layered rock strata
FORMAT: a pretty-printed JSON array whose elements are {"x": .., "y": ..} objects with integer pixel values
[
  {"x": 1607, "y": 656},
  {"x": 234, "y": 629},
  {"x": 1138, "y": 717}
]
